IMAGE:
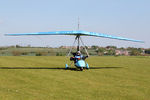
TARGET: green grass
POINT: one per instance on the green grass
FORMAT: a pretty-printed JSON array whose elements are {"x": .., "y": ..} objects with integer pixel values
[{"x": 114, "y": 78}]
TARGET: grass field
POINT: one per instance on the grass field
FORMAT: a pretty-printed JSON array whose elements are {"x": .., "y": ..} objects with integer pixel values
[{"x": 43, "y": 78}]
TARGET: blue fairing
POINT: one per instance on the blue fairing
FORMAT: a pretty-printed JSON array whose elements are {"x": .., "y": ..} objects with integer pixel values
[{"x": 80, "y": 63}]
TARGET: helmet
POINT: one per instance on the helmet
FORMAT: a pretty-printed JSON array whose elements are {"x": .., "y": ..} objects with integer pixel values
[{"x": 78, "y": 52}]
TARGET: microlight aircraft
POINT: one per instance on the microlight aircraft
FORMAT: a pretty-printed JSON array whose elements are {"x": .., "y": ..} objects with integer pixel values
[{"x": 79, "y": 62}]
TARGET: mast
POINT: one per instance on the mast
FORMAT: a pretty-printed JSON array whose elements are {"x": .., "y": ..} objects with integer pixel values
[
  {"x": 78, "y": 46},
  {"x": 78, "y": 23},
  {"x": 78, "y": 36}
]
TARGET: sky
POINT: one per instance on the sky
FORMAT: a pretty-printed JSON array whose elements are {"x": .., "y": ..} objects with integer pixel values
[{"x": 125, "y": 18}]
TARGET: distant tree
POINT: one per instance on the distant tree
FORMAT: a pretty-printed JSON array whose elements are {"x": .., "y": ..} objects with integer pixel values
[
  {"x": 59, "y": 54},
  {"x": 112, "y": 47},
  {"x": 130, "y": 48},
  {"x": 147, "y": 51},
  {"x": 18, "y": 46},
  {"x": 12, "y": 47},
  {"x": 44, "y": 53},
  {"x": 24, "y": 53},
  {"x": 38, "y": 54},
  {"x": 16, "y": 53},
  {"x": 135, "y": 51},
  {"x": 41, "y": 54},
  {"x": 86, "y": 47},
  {"x": 2, "y": 52},
  {"x": 100, "y": 51},
  {"x": 3, "y": 48},
  {"x": 110, "y": 52},
  {"x": 94, "y": 47},
  {"x": 122, "y": 48},
  {"x": 90, "y": 53}
]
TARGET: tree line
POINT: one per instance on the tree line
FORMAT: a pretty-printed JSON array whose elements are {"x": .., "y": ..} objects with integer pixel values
[{"x": 62, "y": 51}]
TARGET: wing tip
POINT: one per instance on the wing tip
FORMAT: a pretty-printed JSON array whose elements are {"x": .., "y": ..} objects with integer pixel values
[{"x": 142, "y": 41}]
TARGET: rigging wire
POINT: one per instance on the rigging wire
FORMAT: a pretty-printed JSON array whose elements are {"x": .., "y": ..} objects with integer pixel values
[
  {"x": 67, "y": 56},
  {"x": 72, "y": 47},
  {"x": 84, "y": 46}
]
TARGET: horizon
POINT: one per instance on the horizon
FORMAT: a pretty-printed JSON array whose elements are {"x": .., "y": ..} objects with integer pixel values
[{"x": 30, "y": 46}]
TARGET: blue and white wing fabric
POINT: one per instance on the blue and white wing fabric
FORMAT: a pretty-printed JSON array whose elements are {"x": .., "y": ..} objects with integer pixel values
[
  {"x": 46, "y": 33},
  {"x": 81, "y": 33},
  {"x": 110, "y": 36}
]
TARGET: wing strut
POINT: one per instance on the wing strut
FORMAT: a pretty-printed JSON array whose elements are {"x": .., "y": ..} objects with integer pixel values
[
  {"x": 84, "y": 47},
  {"x": 78, "y": 46},
  {"x": 78, "y": 39},
  {"x": 72, "y": 46}
]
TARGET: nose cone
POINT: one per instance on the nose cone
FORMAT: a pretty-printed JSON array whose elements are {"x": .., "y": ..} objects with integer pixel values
[{"x": 81, "y": 63}]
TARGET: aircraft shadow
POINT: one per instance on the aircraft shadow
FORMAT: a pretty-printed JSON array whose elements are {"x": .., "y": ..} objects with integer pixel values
[{"x": 73, "y": 69}]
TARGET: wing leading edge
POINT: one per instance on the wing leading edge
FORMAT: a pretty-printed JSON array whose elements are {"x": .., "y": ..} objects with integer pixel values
[{"x": 77, "y": 33}]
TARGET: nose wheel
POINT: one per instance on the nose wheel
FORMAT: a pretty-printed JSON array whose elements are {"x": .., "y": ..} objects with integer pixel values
[{"x": 81, "y": 68}]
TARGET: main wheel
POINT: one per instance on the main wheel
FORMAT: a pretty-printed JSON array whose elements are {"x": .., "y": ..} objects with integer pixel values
[
  {"x": 66, "y": 66},
  {"x": 87, "y": 66},
  {"x": 81, "y": 68}
]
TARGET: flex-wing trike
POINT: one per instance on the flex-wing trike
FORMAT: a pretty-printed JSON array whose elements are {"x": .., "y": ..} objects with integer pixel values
[
  {"x": 80, "y": 63},
  {"x": 78, "y": 58}
]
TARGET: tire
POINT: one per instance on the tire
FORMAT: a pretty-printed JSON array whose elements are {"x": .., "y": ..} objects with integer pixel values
[
  {"x": 87, "y": 66},
  {"x": 66, "y": 66},
  {"x": 81, "y": 68}
]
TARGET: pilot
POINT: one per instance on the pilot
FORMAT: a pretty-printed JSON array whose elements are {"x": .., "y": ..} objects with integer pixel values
[{"x": 78, "y": 56}]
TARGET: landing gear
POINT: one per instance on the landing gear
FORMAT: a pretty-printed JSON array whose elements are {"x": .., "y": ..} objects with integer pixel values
[
  {"x": 66, "y": 66},
  {"x": 81, "y": 68},
  {"x": 79, "y": 60},
  {"x": 87, "y": 66}
]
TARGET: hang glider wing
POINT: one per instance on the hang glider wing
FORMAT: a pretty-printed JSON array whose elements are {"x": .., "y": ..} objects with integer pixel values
[
  {"x": 84, "y": 33},
  {"x": 49, "y": 33},
  {"x": 111, "y": 37}
]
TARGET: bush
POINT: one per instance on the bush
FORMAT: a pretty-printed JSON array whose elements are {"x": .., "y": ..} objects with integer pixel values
[
  {"x": 41, "y": 54},
  {"x": 135, "y": 53},
  {"x": 59, "y": 54},
  {"x": 38, "y": 54},
  {"x": 147, "y": 51},
  {"x": 16, "y": 53},
  {"x": 24, "y": 53}
]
